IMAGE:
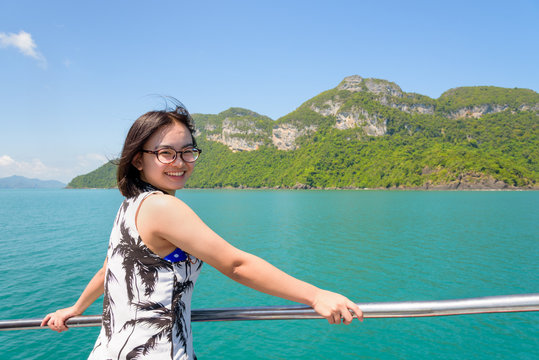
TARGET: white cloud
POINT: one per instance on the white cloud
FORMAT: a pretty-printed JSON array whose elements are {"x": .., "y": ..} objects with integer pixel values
[
  {"x": 24, "y": 43},
  {"x": 94, "y": 157},
  {"x": 6, "y": 160},
  {"x": 33, "y": 168},
  {"x": 89, "y": 162},
  {"x": 65, "y": 172}
]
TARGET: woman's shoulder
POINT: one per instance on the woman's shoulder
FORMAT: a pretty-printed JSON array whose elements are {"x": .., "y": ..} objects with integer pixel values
[
  {"x": 158, "y": 211},
  {"x": 159, "y": 203}
]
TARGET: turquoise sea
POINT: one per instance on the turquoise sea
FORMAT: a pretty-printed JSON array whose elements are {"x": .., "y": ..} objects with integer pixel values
[{"x": 370, "y": 245}]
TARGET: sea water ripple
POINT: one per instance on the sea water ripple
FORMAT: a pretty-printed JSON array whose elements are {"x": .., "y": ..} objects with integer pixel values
[{"x": 370, "y": 245}]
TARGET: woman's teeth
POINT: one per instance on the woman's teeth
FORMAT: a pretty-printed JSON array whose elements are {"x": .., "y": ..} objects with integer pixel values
[{"x": 179, "y": 173}]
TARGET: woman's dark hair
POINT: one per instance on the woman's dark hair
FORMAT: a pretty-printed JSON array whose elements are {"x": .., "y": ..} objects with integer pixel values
[{"x": 128, "y": 176}]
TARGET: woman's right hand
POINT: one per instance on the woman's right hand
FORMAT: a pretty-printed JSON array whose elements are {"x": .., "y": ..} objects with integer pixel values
[{"x": 56, "y": 320}]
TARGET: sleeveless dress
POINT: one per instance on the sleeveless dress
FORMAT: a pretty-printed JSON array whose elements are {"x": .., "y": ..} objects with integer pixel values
[{"x": 147, "y": 299}]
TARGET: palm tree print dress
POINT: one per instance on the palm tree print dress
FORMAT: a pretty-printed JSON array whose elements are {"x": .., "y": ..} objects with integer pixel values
[{"x": 147, "y": 299}]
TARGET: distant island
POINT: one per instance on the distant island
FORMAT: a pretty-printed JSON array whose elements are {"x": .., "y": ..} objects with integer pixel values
[
  {"x": 368, "y": 133},
  {"x": 21, "y": 182}
]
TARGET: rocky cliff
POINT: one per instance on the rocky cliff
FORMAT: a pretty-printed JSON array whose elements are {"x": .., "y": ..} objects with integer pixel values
[
  {"x": 239, "y": 129},
  {"x": 367, "y": 105}
]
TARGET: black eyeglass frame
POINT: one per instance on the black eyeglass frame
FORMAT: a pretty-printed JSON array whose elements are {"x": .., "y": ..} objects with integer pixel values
[{"x": 181, "y": 152}]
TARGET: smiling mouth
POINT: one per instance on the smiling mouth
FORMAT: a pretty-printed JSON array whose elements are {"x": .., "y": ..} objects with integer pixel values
[{"x": 178, "y": 173}]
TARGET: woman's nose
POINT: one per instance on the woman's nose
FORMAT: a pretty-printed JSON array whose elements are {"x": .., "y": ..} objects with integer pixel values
[{"x": 178, "y": 159}]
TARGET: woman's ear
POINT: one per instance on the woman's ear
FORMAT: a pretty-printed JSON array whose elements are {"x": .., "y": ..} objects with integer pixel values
[{"x": 137, "y": 161}]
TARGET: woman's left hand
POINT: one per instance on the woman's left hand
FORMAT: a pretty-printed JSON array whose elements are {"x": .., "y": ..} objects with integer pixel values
[{"x": 335, "y": 307}]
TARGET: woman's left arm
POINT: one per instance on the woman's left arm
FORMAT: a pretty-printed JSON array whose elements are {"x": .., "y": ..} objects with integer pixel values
[
  {"x": 168, "y": 218},
  {"x": 260, "y": 275}
]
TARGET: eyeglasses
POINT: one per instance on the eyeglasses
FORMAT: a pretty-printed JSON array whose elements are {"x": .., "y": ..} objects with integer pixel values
[{"x": 168, "y": 156}]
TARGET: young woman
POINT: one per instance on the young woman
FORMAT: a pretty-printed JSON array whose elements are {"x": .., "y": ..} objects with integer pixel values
[{"x": 157, "y": 247}]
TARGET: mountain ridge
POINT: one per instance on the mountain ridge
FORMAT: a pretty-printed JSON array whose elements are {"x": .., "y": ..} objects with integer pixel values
[
  {"x": 383, "y": 137},
  {"x": 21, "y": 182},
  {"x": 366, "y": 103}
]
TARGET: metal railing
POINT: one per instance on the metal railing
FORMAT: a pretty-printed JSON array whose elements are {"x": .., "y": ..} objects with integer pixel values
[{"x": 490, "y": 304}]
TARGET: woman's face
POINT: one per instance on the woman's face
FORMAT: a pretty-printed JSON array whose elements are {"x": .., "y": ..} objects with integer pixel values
[{"x": 167, "y": 177}]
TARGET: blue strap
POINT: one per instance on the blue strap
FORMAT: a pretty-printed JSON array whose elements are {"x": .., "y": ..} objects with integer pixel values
[{"x": 176, "y": 256}]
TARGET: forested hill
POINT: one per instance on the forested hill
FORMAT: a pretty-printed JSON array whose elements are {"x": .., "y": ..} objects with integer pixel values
[{"x": 368, "y": 133}]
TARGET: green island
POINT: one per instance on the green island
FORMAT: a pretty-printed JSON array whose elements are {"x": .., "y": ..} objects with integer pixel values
[{"x": 368, "y": 133}]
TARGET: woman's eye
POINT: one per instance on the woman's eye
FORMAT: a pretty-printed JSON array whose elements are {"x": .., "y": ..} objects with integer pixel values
[{"x": 167, "y": 152}]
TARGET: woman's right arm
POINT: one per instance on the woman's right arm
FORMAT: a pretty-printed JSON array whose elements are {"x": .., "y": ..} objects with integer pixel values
[{"x": 94, "y": 289}]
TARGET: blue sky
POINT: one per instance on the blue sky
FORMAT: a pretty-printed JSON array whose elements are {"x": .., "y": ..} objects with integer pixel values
[{"x": 75, "y": 75}]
